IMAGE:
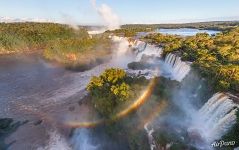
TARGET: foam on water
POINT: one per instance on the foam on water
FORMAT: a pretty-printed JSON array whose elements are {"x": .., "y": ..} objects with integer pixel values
[
  {"x": 149, "y": 50},
  {"x": 179, "y": 69},
  {"x": 82, "y": 140},
  {"x": 56, "y": 142},
  {"x": 216, "y": 117}
]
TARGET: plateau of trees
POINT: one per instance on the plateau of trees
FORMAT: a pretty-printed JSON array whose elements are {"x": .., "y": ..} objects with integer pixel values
[
  {"x": 213, "y": 25},
  {"x": 216, "y": 57},
  {"x": 112, "y": 89},
  {"x": 129, "y": 32},
  {"x": 75, "y": 49},
  {"x": 79, "y": 53},
  {"x": 19, "y": 37}
]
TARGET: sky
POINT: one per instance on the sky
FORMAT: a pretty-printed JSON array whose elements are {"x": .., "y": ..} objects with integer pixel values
[{"x": 128, "y": 11}]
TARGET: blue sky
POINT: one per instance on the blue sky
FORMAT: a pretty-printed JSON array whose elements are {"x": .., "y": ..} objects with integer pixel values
[{"x": 129, "y": 11}]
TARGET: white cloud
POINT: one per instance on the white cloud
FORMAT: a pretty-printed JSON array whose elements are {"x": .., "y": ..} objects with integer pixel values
[{"x": 7, "y": 19}]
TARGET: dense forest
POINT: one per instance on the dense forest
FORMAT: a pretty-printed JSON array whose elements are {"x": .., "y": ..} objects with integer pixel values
[
  {"x": 213, "y": 25},
  {"x": 130, "y": 30},
  {"x": 216, "y": 57},
  {"x": 18, "y": 37},
  {"x": 115, "y": 90},
  {"x": 73, "y": 48},
  {"x": 112, "y": 89},
  {"x": 79, "y": 53}
]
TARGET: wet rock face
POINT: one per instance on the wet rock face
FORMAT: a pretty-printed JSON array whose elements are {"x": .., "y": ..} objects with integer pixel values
[{"x": 5, "y": 124}]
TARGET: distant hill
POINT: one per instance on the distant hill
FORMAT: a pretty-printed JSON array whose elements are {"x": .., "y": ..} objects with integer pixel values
[{"x": 213, "y": 25}]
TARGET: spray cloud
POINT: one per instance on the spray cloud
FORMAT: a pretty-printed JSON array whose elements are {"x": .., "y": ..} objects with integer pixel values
[
  {"x": 110, "y": 19},
  {"x": 70, "y": 21}
]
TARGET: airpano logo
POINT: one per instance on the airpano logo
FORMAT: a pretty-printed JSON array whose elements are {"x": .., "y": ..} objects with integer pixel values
[{"x": 223, "y": 143}]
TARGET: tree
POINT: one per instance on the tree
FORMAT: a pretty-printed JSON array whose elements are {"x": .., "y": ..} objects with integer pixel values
[{"x": 109, "y": 90}]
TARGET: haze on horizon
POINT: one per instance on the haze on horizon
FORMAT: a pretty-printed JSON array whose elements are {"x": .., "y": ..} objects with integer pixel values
[{"x": 82, "y": 12}]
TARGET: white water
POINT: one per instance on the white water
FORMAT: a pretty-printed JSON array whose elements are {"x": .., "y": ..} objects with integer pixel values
[
  {"x": 149, "y": 50},
  {"x": 56, "y": 142},
  {"x": 172, "y": 67},
  {"x": 82, "y": 140},
  {"x": 139, "y": 45},
  {"x": 179, "y": 69},
  {"x": 151, "y": 139},
  {"x": 215, "y": 118}
]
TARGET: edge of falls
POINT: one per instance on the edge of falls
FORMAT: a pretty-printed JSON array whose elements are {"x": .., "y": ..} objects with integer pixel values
[
  {"x": 179, "y": 68},
  {"x": 216, "y": 116}
]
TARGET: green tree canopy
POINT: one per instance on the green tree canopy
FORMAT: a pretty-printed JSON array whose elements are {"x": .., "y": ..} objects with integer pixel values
[{"x": 109, "y": 90}]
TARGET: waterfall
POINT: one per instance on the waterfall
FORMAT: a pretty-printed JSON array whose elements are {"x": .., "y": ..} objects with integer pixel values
[
  {"x": 216, "y": 117},
  {"x": 179, "y": 69},
  {"x": 139, "y": 46},
  {"x": 149, "y": 50},
  {"x": 151, "y": 140},
  {"x": 147, "y": 73}
]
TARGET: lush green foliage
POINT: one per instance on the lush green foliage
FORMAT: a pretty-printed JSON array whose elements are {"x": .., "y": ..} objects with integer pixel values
[
  {"x": 114, "y": 88},
  {"x": 130, "y": 128},
  {"x": 18, "y": 37},
  {"x": 215, "y": 25},
  {"x": 109, "y": 90},
  {"x": 217, "y": 57},
  {"x": 129, "y": 32},
  {"x": 79, "y": 53},
  {"x": 73, "y": 48}
]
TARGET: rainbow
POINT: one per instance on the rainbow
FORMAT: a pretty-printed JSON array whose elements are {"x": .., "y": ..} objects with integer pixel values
[{"x": 125, "y": 112}]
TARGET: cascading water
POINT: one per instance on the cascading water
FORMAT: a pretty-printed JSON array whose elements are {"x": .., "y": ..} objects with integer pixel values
[
  {"x": 179, "y": 68},
  {"x": 139, "y": 45},
  {"x": 151, "y": 140},
  {"x": 148, "y": 50},
  {"x": 56, "y": 142},
  {"x": 142, "y": 49},
  {"x": 215, "y": 118}
]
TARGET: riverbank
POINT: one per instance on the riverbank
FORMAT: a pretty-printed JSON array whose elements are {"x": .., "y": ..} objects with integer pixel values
[
  {"x": 80, "y": 54},
  {"x": 73, "y": 48}
]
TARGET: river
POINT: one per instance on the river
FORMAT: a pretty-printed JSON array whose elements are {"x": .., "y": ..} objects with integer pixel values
[
  {"x": 186, "y": 31},
  {"x": 35, "y": 90}
]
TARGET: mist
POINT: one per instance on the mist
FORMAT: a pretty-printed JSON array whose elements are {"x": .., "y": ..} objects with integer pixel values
[
  {"x": 56, "y": 142},
  {"x": 70, "y": 21},
  {"x": 110, "y": 19}
]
